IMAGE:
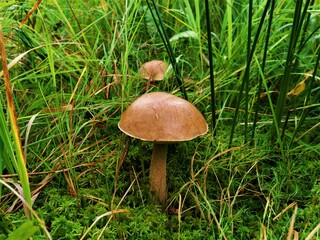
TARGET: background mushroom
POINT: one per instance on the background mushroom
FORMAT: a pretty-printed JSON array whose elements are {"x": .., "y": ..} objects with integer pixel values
[
  {"x": 162, "y": 118},
  {"x": 153, "y": 71}
]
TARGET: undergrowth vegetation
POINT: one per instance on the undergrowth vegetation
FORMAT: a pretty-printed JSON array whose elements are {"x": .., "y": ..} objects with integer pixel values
[{"x": 74, "y": 68}]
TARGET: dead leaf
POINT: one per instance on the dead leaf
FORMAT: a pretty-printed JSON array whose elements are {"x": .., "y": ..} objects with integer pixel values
[{"x": 298, "y": 89}]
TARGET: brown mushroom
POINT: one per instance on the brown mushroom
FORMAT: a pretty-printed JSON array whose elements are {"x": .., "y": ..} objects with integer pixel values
[
  {"x": 162, "y": 118},
  {"x": 153, "y": 71}
]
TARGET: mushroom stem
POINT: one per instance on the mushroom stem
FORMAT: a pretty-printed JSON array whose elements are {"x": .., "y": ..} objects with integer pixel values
[
  {"x": 148, "y": 84},
  {"x": 158, "y": 183}
]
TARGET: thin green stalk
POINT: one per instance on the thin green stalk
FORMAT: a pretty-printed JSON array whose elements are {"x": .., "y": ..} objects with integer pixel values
[
  {"x": 30, "y": 43},
  {"x": 264, "y": 82},
  {"x": 264, "y": 59},
  {"x": 245, "y": 79},
  {"x": 305, "y": 111},
  {"x": 305, "y": 16},
  {"x": 7, "y": 159},
  {"x": 165, "y": 39},
  {"x": 230, "y": 28},
  {"x": 212, "y": 92},
  {"x": 305, "y": 19},
  {"x": 194, "y": 19},
  {"x": 308, "y": 38},
  {"x": 286, "y": 78}
]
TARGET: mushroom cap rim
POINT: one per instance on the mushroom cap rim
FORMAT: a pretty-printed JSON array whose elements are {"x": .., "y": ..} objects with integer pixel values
[{"x": 163, "y": 142}]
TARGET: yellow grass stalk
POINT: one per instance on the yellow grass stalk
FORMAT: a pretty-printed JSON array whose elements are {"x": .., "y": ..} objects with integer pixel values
[{"x": 21, "y": 168}]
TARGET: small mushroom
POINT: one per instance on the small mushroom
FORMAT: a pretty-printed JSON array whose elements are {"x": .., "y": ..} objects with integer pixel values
[
  {"x": 153, "y": 71},
  {"x": 162, "y": 118}
]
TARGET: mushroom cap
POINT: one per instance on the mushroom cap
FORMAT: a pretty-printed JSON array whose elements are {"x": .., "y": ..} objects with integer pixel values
[
  {"x": 162, "y": 117},
  {"x": 153, "y": 70}
]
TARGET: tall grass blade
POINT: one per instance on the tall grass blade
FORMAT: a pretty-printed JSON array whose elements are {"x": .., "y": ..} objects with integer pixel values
[
  {"x": 305, "y": 111},
  {"x": 230, "y": 28},
  {"x": 245, "y": 79},
  {"x": 20, "y": 164},
  {"x": 165, "y": 39},
  {"x": 289, "y": 65},
  {"x": 6, "y": 150},
  {"x": 212, "y": 92},
  {"x": 305, "y": 17},
  {"x": 306, "y": 24},
  {"x": 26, "y": 18},
  {"x": 263, "y": 64},
  {"x": 31, "y": 44},
  {"x": 265, "y": 85}
]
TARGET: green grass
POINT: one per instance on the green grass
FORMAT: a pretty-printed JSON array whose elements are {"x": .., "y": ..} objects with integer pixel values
[{"x": 74, "y": 70}]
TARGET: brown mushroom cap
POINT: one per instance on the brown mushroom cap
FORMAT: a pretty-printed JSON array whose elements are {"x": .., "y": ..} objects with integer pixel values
[
  {"x": 153, "y": 70},
  {"x": 162, "y": 117}
]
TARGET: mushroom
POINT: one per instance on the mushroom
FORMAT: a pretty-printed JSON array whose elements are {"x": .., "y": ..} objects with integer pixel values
[
  {"x": 162, "y": 118},
  {"x": 153, "y": 71}
]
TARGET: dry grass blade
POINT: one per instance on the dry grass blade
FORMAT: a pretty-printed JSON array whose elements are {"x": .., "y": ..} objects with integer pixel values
[
  {"x": 313, "y": 232},
  {"x": 293, "y": 219},
  {"x": 30, "y": 13},
  {"x": 263, "y": 234},
  {"x": 42, "y": 224},
  {"x": 110, "y": 213},
  {"x": 209, "y": 162},
  {"x": 284, "y": 210},
  {"x": 28, "y": 132},
  {"x": 298, "y": 89},
  {"x": 18, "y": 58}
]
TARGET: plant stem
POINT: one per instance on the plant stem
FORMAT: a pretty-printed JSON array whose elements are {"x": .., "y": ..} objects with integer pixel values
[
  {"x": 158, "y": 182},
  {"x": 245, "y": 79},
  {"x": 213, "y": 107},
  {"x": 165, "y": 39},
  {"x": 230, "y": 27},
  {"x": 286, "y": 78},
  {"x": 21, "y": 167}
]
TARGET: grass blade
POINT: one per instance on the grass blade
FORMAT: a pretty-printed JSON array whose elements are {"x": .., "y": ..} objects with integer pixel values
[
  {"x": 24, "y": 232},
  {"x": 165, "y": 39},
  {"x": 230, "y": 28},
  {"x": 263, "y": 64},
  {"x": 20, "y": 165},
  {"x": 286, "y": 78},
  {"x": 305, "y": 111},
  {"x": 28, "y": 206},
  {"x": 245, "y": 80},
  {"x": 213, "y": 107}
]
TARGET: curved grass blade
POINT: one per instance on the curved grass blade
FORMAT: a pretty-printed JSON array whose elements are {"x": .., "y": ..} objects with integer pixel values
[{"x": 28, "y": 206}]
